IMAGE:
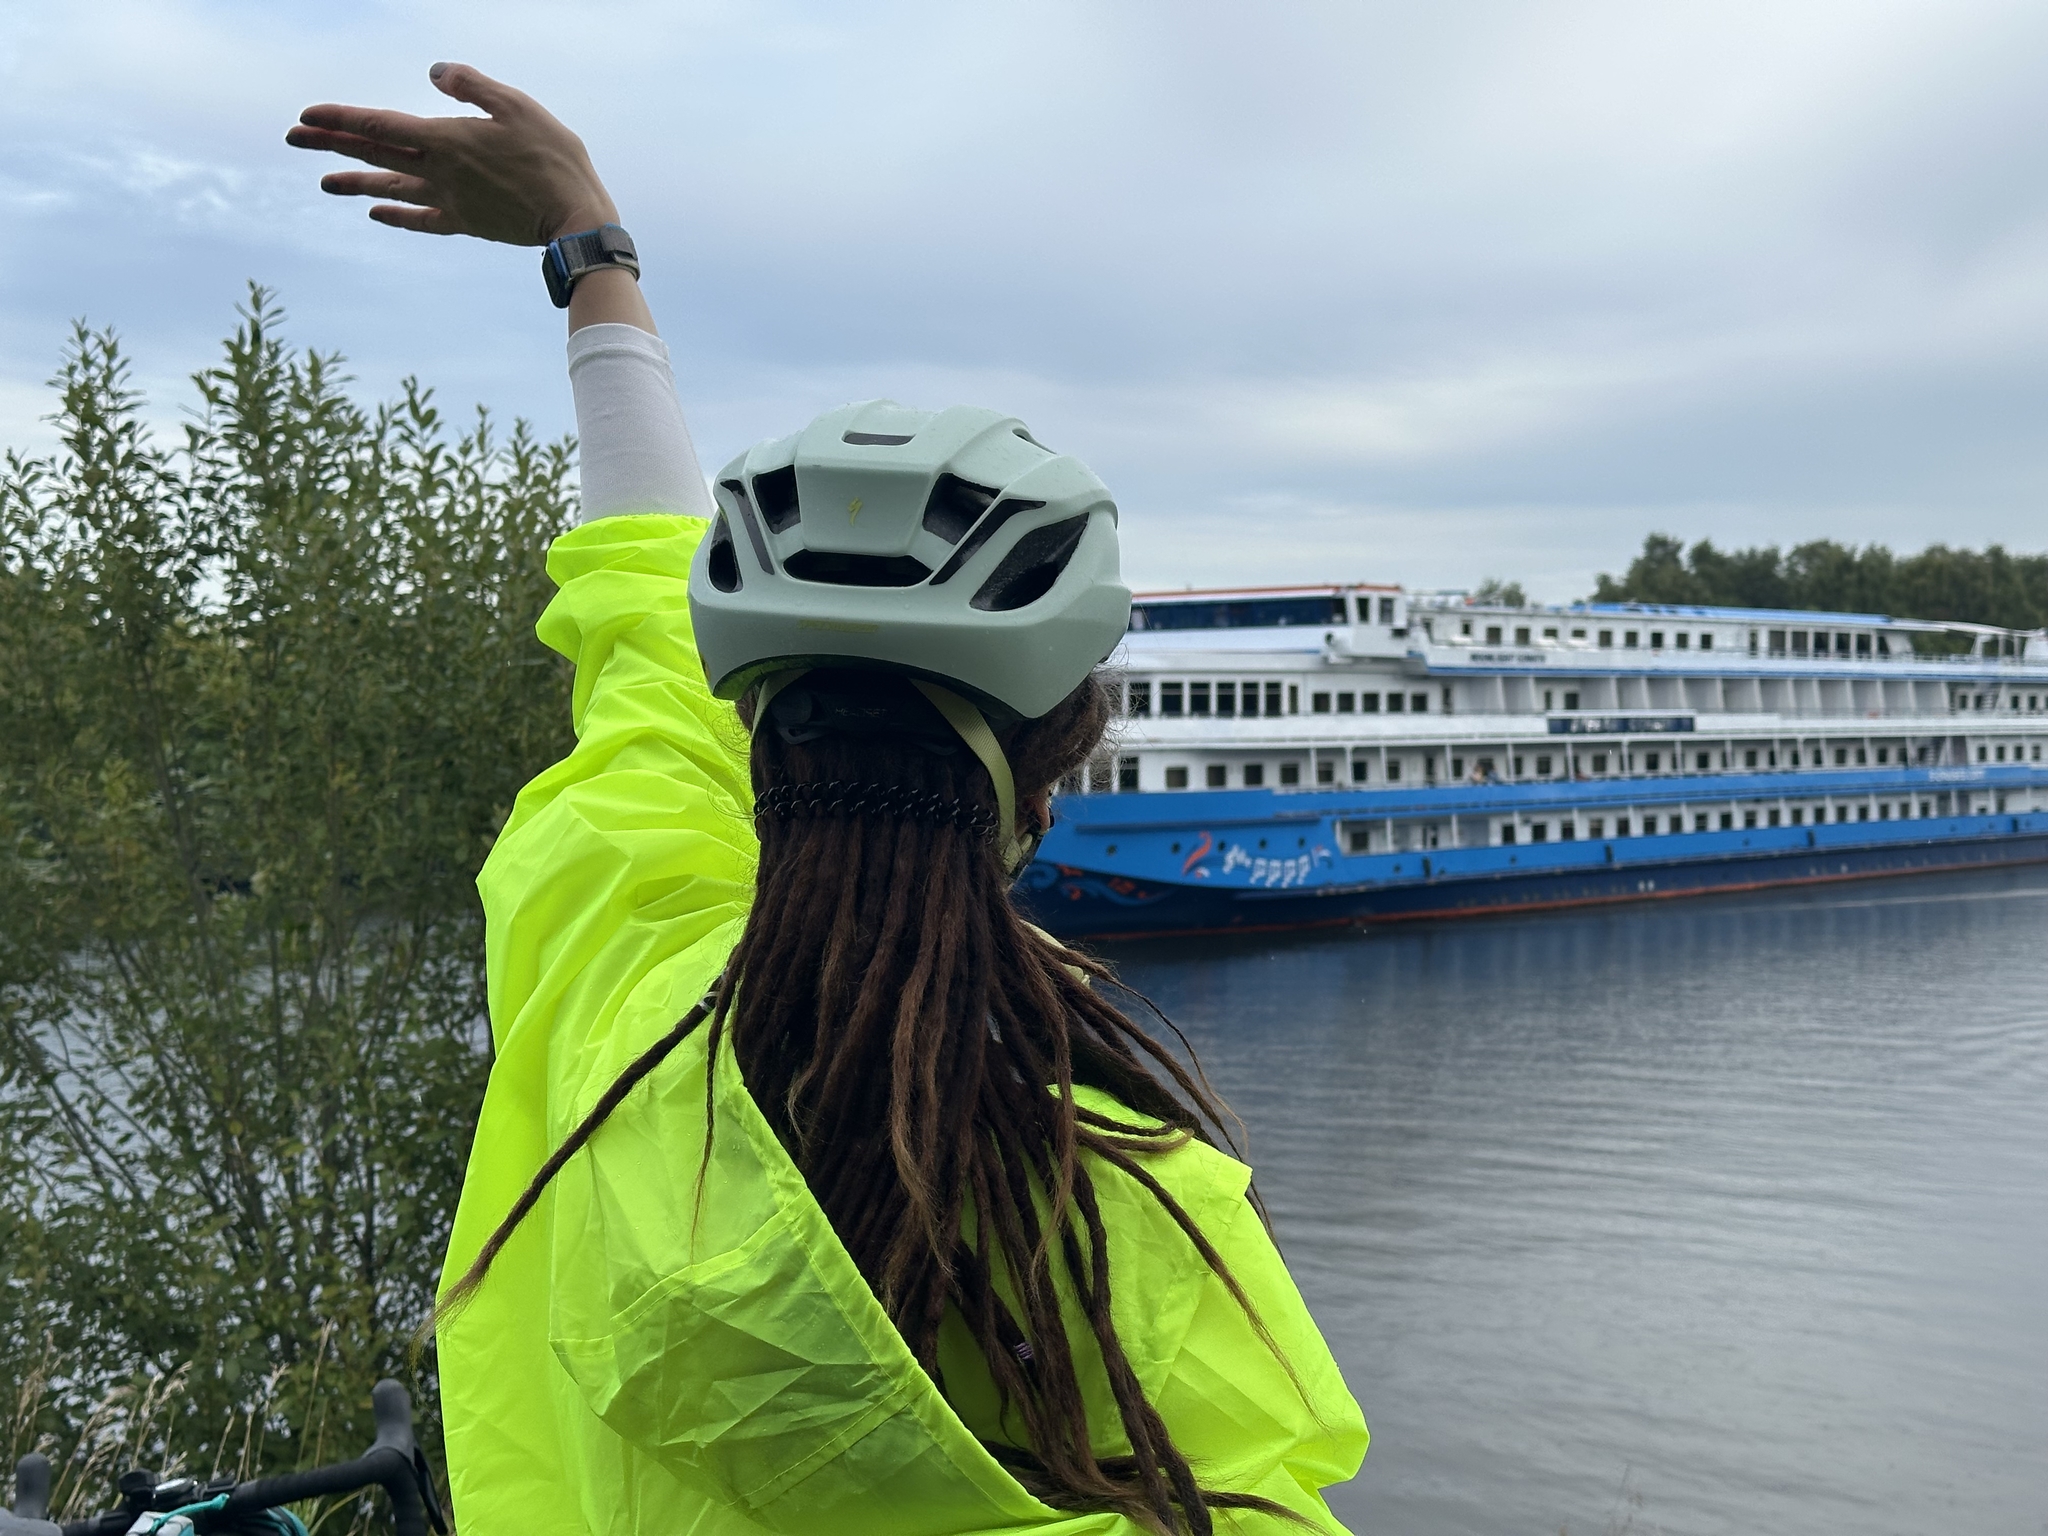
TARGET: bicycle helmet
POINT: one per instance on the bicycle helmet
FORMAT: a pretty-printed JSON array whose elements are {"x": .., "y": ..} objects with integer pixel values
[{"x": 949, "y": 545}]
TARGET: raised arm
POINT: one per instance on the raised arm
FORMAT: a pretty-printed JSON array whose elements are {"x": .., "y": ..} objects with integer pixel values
[{"x": 520, "y": 177}]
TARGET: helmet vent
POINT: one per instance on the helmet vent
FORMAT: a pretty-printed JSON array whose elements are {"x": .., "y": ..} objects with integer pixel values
[
  {"x": 724, "y": 564},
  {"x": 876, "y": 439},
  {"x": 1029, "y": 570},
  {"x": 953, "y": 507},
  {"x": 775, "y": 495},
  {"x": 737, "y": 490},
  {"x": 1004, "y": 511},
  {"x": 830, "y": 568}
]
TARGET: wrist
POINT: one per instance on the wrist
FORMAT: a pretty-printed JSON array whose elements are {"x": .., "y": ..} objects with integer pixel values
[{"x": 585, "y": 216}]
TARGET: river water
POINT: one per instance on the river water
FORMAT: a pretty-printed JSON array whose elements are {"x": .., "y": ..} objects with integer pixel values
[{"x": 1726, "y": 1215}]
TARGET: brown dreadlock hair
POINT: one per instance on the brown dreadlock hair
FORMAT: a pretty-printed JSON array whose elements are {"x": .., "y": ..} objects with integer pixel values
[{"x": 899, "y": 1025}]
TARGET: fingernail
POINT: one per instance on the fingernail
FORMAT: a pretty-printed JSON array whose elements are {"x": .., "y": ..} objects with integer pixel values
[{"x": 437, "y": 71}]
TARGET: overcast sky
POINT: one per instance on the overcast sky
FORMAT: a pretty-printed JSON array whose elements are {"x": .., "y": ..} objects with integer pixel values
[{"x": 1416, "y": 293}]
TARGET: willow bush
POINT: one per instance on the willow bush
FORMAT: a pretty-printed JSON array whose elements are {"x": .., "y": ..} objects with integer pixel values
[{"x": 266, "y": 695}]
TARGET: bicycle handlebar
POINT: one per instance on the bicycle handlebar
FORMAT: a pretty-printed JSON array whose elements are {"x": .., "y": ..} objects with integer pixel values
[{"x": 393, "y": 1462}]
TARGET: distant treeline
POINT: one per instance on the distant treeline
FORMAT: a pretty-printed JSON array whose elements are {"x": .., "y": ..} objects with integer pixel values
[{"x": 1990, "y": 586}]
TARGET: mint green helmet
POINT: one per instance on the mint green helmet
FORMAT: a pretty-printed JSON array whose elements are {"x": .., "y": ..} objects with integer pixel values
[{"x": 947, "y": 545}]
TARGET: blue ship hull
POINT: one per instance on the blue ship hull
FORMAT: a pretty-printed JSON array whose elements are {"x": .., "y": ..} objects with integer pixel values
[{"x": 1117, "y": 868}]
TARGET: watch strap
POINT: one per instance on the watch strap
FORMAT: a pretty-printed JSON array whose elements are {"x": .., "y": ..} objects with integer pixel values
[{"x": 570, "y": 257}]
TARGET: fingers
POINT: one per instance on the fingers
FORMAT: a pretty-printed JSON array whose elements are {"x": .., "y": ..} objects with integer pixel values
[
  {"x": 466, "y": 83},
  {"x": 406, "y": 189},
  {"x": 390, "y": 157},
  {"x": 398, "y": 129},
  {"x": 427, "y": 221}
]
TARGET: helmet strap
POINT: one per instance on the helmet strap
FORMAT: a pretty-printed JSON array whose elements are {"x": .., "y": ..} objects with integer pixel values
[
  {"x": 981, "y": 741},
  {"x": 770, "y": 686}
]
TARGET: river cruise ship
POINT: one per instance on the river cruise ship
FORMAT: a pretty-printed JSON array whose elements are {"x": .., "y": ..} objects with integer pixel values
[{"x": 1324, "y": 755}]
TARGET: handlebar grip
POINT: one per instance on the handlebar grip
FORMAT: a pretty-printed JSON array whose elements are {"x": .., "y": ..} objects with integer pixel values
[{"x": 32, "y": 1487}]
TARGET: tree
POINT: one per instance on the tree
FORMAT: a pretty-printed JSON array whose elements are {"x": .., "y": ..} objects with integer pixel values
[
  {"x": 1991, "y": 587},
  {"x": 264, "y": 702},
  {"x": 1507, "y": 593}
]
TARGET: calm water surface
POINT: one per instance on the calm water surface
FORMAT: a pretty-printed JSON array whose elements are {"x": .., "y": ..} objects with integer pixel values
[{"x": 1727, "y": 1215}]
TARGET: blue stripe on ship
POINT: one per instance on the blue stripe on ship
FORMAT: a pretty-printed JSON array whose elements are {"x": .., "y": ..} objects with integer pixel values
[{"x": 1127, "y": 865}]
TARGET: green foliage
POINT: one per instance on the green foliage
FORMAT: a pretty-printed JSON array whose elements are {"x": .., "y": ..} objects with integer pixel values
[
  {"x": 264, "y": 701},
  {"x": 1987, "y": 587},
  {"x": 1494, "y": 590}
]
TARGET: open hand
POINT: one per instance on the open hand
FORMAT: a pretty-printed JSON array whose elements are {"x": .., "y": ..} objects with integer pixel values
[{"x": 517, "y": 176}]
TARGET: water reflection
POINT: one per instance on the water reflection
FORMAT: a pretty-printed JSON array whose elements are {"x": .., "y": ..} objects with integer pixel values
[{"x": 1743, "y": 1199}]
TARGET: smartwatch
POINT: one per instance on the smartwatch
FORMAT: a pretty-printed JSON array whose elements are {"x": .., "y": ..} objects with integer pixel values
[{"x": 572, "y": 256}]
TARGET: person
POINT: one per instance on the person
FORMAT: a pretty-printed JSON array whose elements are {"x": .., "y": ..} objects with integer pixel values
[{"x": 814, "y": 1190}]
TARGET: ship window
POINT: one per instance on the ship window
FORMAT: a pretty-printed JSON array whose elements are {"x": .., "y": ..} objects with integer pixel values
[
  {"x": 1293, "y": 700},
  {"x": 1290, "y": 773},
  {"x": 1607, "y": 638},
  {"x": 1248, "y": 699},
  {"x": 1550, "y": 634},
  {"x": 1360, "y": 838},
  {"x": 1777, "y": 641},
  {"x": 1706, "y": 642},
  {"x": 1418, "y": 703},
  {"x": 1681, "y": 640},
  {"x": 1361, "y": 770},
  {"x": 1774, "y": 817},
  {"x": 1170, "y": 700},
  {"x": 1176, "y": 778},
  {"x": 1198, "y": 698},
  {"x": 1539, "y": 832},
  {"x": 1699, "y": 761},
  {"x": 1597, "y": 827},
  {"x": 1621, "y": 826},
  {"x": 1571, "y": 701},
  {"x": 1347, "y": 703},
  {"x": 1699, "y": 822},
  {"x": 1215, "y": 776},
  {"x": 1798, "y": 815},
  {"x": 1798, "y": 642},
  {"x": 1599, "y": 762},
  {"x": 1272, "y": 698},
  {"x": 1126, "y": 774},
  {"x": 1656, "y": 639},
  {"x": 1386, "y": 610},
  {"x": 2033, "y": 701},
  {"x": 1841, "y": 813},
  {"x": 1863, "y": 813},
  {"x": 1862, "y": 758},
  {"x": 1226, "y": 699},
  {"x": 1393, "y": 770},
  {"x": 1516, "y": 766},
  {"x": 1727, "y": 821},
  {"x": 1368, "y": 703},
  {"x": 1507, "y": 832},
  {"x": 1749, "y": 818},
  {"x": 1566, "y": 831},
  {"x": 1457, "y": 767},
  {"x": 1863, "y": 645},
  {"x": 1542, "y": 767},
  {"x": 1429, "y": 767},
  {"x": 1141, "y": 698},
  {"x": 2001, "y": 754},
  {"x": 1493, "y": 634},
  {"x": 1628, "y": 639},
  {"x": 1884, "y": 812},
  {"x": 1749, "y": 759},
  {"x": 1319, "y": 703},
  {"x": 1396, "y": 703},
  {"x": 1650, "y": 760},
  {"x": 1521, "y": 637},
  {"x": 1465, "y": 628},
  {"x": 1326, "y": 772},
  {"x": 1254, "y": 775},
  {"x": 1884, "y": 754},
  {"x": 1578, "y": 634}
]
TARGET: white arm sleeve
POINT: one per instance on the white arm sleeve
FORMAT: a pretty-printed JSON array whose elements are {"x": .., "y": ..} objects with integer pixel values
[{"x": 634, "y": 446}]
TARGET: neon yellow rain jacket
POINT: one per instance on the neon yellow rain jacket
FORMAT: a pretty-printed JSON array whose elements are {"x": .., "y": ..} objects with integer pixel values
[{"x": 643, "y": 1361}]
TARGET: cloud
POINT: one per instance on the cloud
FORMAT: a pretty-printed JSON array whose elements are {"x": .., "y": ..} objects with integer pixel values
[{"x": 1390, "y": 290}]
